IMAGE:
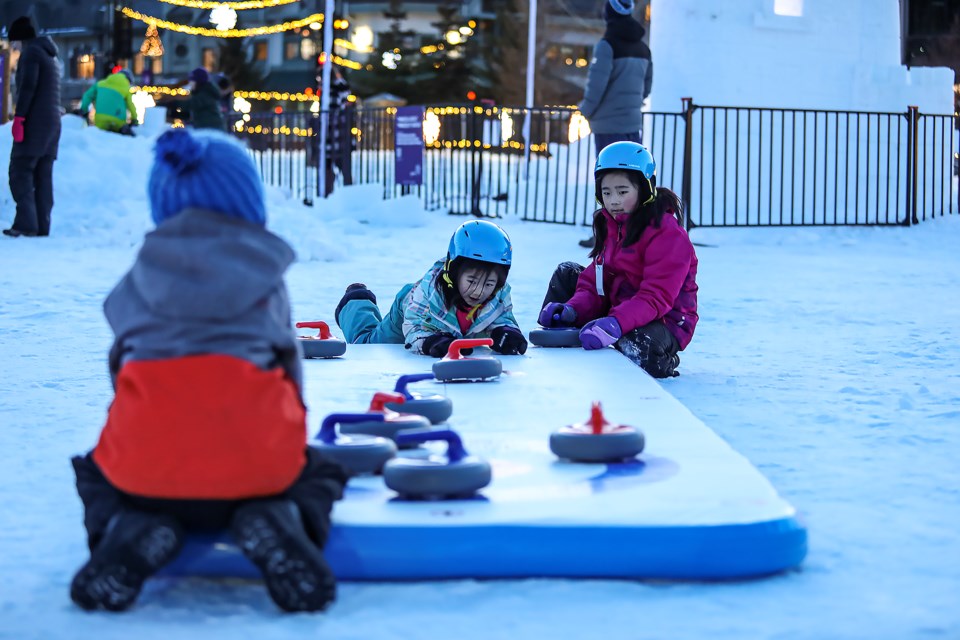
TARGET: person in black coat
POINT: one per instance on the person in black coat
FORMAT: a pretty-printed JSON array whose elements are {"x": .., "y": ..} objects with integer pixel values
[{"x": 36, "y": 130}]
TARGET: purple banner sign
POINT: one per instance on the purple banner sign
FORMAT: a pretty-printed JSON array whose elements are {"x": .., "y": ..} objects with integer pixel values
[{"x": 408, "y": 146}]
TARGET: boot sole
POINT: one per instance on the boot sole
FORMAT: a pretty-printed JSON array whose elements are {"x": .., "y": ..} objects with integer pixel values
[
  {"x": 295, "y": 572},
  {"x": 114, "y": 584}
]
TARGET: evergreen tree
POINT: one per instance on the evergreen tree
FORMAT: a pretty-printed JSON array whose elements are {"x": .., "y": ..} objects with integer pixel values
[
  {"x": 236, "y": 63},
  {"x": 508, "y": 53}
]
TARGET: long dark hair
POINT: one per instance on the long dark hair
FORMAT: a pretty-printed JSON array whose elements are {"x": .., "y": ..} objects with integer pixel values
[
  {"x": 649, "y": 210},
  {"x": 446, "y": 280}
]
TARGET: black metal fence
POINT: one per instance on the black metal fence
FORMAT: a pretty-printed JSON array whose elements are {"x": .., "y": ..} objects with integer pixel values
[{"x": 732, "y": 166}]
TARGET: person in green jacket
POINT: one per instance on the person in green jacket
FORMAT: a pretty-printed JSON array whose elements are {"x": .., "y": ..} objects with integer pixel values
[
  {"x": 113, "y": 102},
  {"x": 203, "y": 105}
]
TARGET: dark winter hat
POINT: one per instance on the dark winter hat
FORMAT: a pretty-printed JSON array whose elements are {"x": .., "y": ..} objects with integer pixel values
[
  {"x": 204, "y": 169},
  {"x": 22, "y": 29},
  {"x": 620, "y": 7},
  {"x": 199, "y": 75}
]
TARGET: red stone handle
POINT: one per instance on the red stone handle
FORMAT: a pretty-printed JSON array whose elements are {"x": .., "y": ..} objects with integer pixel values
[
  {"x": 317, "y": 324},
  {"x": 381, "y": 398},
  {"x": 453, "y": 352}
]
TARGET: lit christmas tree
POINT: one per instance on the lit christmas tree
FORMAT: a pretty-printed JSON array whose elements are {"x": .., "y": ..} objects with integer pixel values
[{"x": 152, "y": 47}]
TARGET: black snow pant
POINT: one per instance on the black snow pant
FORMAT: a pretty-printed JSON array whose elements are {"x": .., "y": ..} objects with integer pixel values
[
  {"x": 652, "y": 346},
  {"x": 320, "y": 484},
  {"x": 31, "y": 184}
]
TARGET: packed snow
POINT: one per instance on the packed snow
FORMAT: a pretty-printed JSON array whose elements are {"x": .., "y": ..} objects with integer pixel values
[{"x": 827, "y": 356}]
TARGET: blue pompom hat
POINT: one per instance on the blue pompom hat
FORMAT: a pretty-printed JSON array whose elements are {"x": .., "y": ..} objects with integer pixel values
[{"x": 204, "y": 169}]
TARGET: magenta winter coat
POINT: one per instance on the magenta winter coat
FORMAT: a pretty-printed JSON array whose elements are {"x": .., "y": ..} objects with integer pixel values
[{"x": 654, "y": 278}]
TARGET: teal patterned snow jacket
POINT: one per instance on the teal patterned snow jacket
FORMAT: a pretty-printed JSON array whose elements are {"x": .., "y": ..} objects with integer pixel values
[{"x": 424, "y": 313}]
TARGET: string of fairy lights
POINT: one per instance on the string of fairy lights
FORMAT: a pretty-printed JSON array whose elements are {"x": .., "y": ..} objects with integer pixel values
[
  {"x": 225, "y": 21},
  {"x": 222, "y": 33},
  {"x": 236, "y": 6}
]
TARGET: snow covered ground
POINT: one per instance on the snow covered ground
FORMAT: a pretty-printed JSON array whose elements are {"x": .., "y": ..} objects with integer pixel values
[{"x": 828, "y": 356}]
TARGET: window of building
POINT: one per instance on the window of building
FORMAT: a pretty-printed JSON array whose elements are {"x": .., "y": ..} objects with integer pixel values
[
  {"x": 209, "y": 59},
  {"x": 142, "y": 63},
  {"x": 793, "y": 8},
  {"x": 85, "y": 66},
  {"x": 260, "y": 50},
  {"x": 291, "y": 50}
]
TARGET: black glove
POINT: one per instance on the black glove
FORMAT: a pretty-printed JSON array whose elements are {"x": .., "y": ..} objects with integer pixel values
[
  {"x": 436, "y": 346},
  {"x": 509, "y": 341}
]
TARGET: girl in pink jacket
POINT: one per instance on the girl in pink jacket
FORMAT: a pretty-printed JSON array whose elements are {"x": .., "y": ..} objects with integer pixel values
[{"x": 640, "y": 292}]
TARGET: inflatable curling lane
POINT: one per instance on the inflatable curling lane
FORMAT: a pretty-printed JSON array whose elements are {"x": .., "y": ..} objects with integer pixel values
[{"x": 686, "y": 507}]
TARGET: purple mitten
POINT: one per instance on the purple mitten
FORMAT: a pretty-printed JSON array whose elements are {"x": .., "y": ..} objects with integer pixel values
[
  {"x": 600, "y": 333},
  {"x": 557, "y": 314}
]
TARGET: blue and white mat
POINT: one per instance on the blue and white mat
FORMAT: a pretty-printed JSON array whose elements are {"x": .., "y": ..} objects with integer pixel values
[{"x": 689, "y": 507}]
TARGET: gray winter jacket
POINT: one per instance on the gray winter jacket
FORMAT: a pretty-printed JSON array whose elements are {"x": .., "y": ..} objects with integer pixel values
[
  {"x": 619, "y": 79},
  {"x": 205, "y": 283},
  {"x": 38, "y": 98}
]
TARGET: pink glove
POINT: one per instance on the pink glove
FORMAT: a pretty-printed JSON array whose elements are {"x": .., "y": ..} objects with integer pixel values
[{"x": 18, "y": 128}]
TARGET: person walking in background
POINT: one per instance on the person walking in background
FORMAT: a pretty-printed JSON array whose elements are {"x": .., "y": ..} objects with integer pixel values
[
  {"x": 225, "y": 87},
  {"x": 618, "y": 81},
  {"x": 203, "y": 105},
  {"x": 339, "y": 131},
  {"x": 113, "y": 103},
  {"x": 36, "y": 130}
]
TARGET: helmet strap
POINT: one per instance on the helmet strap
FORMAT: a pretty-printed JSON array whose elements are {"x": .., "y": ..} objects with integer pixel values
[
  {"x": 445, "y": 276},
  {"x": 653, "y": 193}
]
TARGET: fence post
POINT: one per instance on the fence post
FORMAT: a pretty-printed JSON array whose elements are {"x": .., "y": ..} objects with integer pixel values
[
  {"x": 912, "y": 164},
  {"x": 685, "y": 187}
]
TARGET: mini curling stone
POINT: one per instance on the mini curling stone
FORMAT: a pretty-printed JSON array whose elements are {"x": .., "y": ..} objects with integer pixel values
[
  {"x": 556, "y": 337},
  {"x": 359, "y": 454},
  {"x": 385, "y": 422},
  {"x": 454, "y": 475},
  {"x": 322, "y": 345},
  {"x": 596, "y": 440},
  {"x": 435, "y": 408},
  {"x": 456, "y": 367}
]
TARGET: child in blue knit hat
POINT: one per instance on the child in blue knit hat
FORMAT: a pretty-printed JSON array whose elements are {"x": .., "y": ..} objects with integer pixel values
[{"x": 207, "y": 427}]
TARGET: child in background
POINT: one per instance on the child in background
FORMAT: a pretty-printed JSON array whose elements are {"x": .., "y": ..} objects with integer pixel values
[
  {"x": 113, "y": 103},
  {"x": 207, "y": 427},
  {"x": 465, "y": 295},
  {"x": 640, "y": 293}
]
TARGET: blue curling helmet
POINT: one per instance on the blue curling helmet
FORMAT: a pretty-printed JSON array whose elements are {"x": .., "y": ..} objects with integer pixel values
[
  {"x": 628, "y": 156},
  {"x": 480, "y": 240}
]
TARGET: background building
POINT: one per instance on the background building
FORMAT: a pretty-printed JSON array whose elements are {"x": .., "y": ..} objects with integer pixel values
[{"x": 422, "y": 51}]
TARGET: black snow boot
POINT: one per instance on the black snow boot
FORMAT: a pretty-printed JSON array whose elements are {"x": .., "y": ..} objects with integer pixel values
[
  {"x": 271, "y": 534},
  {"x": 355, "y": 291},
  {"x": 655, "y": 352},
  {"x": 135, "y": 546}
]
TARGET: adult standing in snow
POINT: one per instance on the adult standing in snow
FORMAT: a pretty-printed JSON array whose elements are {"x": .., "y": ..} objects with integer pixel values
[
  {"x": 339, "y": 132},
  {"x": 618, "y": 81},
  {"x": 36, "y": 129}
]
